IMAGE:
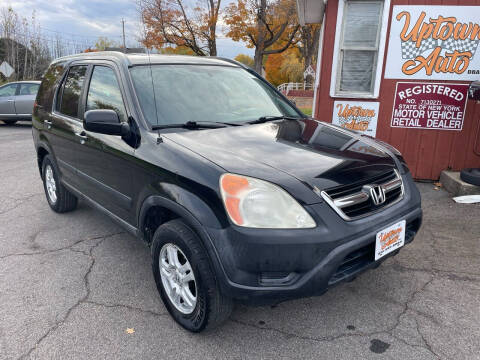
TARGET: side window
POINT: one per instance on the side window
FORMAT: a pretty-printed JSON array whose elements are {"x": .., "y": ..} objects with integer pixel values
[
  {"x": 28, "y": 89},
  {"x": 51, "y": 77},
  {"x": 71, "y": 90},
  {"x": 8, "y": 90},
  {"x": 104, "y": 92}
]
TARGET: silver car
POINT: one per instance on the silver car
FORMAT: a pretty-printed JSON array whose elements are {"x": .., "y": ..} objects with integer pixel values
[{"x": 16, "y": 100}]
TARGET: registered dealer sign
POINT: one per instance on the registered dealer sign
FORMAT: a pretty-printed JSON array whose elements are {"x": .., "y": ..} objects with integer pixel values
[{"x": 429, "y": 106}]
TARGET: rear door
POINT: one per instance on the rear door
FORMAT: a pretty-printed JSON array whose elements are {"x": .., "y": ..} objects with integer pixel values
[
  {"x": 104, "y": 162},
  {"x": 25, "y": 98},
  {"x": 64, "y": 127},
  {"x": 7, "y": 102}
]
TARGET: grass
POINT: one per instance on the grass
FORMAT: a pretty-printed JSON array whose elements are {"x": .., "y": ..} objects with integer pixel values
[{"x": 306, "y": 111}]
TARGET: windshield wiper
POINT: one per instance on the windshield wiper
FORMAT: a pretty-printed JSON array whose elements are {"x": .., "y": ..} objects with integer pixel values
[
  {"x": 195, "y": 125},
  {"x": 263, "y": 119}
]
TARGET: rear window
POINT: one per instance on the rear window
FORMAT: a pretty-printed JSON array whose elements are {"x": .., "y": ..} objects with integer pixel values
[
  {"x": 71, "y": 90},
  {"x": 49, "y": 81},
  {"x": 28, "y": 89}
]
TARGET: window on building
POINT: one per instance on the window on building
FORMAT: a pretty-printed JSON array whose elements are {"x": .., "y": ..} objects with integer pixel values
[{"x": 358, "y": 47}]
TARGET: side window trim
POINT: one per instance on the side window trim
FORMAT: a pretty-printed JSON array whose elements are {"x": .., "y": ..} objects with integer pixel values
[
  {"x": 57, "y": 100},
  {"x": 83, "y": 95},
  {"x": 89, "y": 80}
]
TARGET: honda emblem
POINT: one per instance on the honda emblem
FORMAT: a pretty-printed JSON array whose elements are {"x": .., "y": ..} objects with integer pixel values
[{"x": 376, "y": 193}]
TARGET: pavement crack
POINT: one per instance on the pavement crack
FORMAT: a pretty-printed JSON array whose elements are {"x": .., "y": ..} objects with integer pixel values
[
  {"x": 408, "y": 308},
  {"x": 18, "y": 202},
  {"x": 389, "y": 331},
  {"x": 79, "y": 302},
  {"x": 302, "y": 337},
  {"x": 68, "y": 247},
  {"x": 425, "y": 342},
  {"x": 129, "y": 307}
]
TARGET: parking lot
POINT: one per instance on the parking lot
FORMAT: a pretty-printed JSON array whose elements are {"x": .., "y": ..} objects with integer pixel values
[{"x": 77, "y": 286}]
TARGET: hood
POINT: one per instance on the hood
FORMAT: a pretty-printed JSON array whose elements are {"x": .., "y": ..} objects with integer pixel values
[{"x": 315, "y": 153}]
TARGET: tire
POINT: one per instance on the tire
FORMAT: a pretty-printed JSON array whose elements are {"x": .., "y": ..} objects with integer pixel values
[
  {"x": 471, "y": 176},
  {"x": 58, "y": 197},
  {"x": 211, "y": 307},
  {"x": 9, "y": 122}
]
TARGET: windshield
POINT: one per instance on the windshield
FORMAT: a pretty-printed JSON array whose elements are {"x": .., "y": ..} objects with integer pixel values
[{"x": 181, "y": 93}]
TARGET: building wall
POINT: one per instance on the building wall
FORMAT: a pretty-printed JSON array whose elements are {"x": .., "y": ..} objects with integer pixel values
[{"x": 427, "y": 152}]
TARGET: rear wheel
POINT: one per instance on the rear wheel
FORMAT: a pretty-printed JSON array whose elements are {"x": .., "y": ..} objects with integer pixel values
[
  {"x": 185, "y": 278},
  {"x": 58, "y": 197}
]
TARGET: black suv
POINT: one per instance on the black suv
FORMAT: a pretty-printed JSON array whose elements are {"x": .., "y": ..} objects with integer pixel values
[{"x": 239, "y": 195}]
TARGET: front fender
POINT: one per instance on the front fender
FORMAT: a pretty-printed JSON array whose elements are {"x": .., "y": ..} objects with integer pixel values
[
  {"x": 182, "y": 202},
  {"x": 197, "y": 215}
]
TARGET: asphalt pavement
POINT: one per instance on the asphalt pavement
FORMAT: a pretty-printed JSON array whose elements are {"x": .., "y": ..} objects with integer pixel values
[{"x": 76, "y": 286}]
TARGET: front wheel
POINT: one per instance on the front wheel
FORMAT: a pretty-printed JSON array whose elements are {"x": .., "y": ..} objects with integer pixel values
[{"x": 185, "y": 279}]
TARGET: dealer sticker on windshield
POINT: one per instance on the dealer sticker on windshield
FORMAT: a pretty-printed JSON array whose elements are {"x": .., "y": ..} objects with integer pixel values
[{"x": 390, "y": 239}]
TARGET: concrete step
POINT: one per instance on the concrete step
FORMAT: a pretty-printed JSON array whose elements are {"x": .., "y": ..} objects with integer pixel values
[{"x": 457, "y": 187}]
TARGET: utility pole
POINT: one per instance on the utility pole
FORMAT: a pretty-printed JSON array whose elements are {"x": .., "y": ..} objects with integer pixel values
[{"x": 123, "y": 31}]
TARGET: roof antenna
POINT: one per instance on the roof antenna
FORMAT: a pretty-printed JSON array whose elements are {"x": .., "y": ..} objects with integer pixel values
[{"x": 159, "y": 139}]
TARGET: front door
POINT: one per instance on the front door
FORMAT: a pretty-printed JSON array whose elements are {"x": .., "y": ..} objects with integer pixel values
[
  {"x": 7, "y": 101},
  {"x": 104, "y": 161},
  {"x": 25, "y": 99}
]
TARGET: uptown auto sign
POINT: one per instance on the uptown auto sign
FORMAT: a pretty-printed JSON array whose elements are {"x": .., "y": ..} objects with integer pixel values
[
  {"x": 355, "y": 115},
  {"x": 434, "y": 42}
]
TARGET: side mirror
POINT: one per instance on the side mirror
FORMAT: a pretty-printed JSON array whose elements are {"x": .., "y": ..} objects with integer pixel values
[
  {"x": 105, "y": 121},
  {"x": 474, "y": 91}
]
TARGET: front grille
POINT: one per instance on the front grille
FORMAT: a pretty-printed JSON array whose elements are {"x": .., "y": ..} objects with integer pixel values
[{"x": 352, "y": 202}]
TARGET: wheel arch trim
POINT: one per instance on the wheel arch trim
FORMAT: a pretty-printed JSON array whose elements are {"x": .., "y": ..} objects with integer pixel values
[{"x": 191, "y": 220}]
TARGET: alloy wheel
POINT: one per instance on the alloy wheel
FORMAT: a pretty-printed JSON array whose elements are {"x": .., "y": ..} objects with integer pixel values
[
  {"x": 50, "y": 184},
  {"x": 177, "y": 278}
]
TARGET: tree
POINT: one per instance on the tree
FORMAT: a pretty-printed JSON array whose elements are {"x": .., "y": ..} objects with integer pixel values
[
  {"x": 22, "y": 45},
  {"x": 284, "y": 67},
  {"x": 103, "y": 43},
  {"x": 172, "y": 22},
  {"x": 245, "y": 60},
  {"x": 292, "y": 65},
  {"x": 269, "y": 26},
  {"x": 178, "y": 50},
  {"x": 308, "y": 45}
]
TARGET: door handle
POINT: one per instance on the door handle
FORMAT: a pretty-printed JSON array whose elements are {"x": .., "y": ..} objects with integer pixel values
[
  {"x": 48, "y": 123},
  {"x": 10, "y": 100},
  {"x": 82, "y": 136}
]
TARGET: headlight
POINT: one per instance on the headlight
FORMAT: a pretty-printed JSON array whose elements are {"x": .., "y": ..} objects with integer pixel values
[{"x": 259, "y": 204}]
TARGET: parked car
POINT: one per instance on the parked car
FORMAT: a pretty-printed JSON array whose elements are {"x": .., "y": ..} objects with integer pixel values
[
  {"x": 16, "y": 101},
  {"x": 239, "y": 195}
]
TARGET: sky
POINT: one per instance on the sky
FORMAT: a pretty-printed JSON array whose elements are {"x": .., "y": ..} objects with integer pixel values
[{"x": 85, "y": 20}]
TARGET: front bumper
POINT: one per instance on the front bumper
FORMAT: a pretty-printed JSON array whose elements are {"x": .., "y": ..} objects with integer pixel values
[{"x": 261, "y": 266}]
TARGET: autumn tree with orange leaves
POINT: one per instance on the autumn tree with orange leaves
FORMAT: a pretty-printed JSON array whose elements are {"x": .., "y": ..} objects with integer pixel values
[
  {"x": 173, "y": 22},
  {"x": 269, "y": 26}
]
